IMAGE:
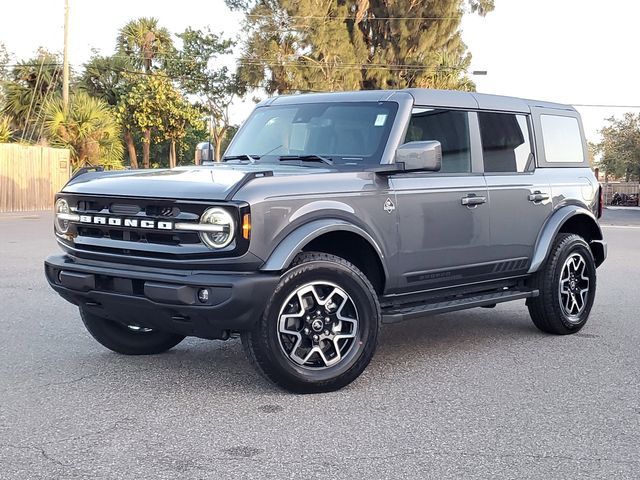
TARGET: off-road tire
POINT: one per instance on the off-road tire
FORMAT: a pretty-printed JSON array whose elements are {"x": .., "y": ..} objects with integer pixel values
[
  {"x": 262, "y": 344},
  {"x": 546, "y": 310},
  {"x": 120, "y": 338}
]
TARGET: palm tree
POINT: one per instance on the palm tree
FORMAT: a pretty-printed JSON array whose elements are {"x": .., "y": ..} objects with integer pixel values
[
  {"x": 108, "y": 78},
  {"x": 448, "y": 74},
  {"x": 89, "y": 129},
  {"x": 145, "y": 42},
  {"x": 6, "y": 132},
  {"x": 32, "y": 86}
]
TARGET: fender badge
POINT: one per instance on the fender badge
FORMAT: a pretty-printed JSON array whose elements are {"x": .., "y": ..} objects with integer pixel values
[{"x": 389, "y": 206}]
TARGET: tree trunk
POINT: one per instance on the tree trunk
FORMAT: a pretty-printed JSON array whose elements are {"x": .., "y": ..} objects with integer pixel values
[
  {"x": 131, "y": 148},
  {"x": 218, "y": 138},
  {"x": 217, "y": 151},
  {"x": 146, "y": 145},
  {"x": 172, "y": 154}
]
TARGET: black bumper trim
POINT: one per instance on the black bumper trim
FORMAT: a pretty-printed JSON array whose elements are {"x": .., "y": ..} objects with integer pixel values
[{"x": 165, "y": 301}]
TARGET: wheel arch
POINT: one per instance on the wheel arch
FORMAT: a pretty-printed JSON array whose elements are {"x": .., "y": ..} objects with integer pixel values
[
  {"x": 337, "y": 237},
  {"x": 569, "y": 219}
]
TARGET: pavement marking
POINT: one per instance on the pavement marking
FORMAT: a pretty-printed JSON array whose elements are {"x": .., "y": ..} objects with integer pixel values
[{"x": 632, "y": 227}]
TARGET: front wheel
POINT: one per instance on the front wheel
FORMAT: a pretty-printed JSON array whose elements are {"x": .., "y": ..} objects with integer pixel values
[
  {"x": 320, "y": 328},
  {"x": 126, "y": 338},
  {"x": 567, "y": 285}
]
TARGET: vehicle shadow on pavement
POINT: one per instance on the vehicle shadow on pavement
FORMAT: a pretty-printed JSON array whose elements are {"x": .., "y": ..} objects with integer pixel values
[{"x": 198, "y": 364}]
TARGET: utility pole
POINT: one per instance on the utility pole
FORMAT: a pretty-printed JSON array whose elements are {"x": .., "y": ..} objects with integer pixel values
[{"x": 65, "y": 59}]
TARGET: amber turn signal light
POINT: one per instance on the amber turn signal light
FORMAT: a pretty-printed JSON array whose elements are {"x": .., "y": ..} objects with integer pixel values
[{"x": 246, "y": 226}]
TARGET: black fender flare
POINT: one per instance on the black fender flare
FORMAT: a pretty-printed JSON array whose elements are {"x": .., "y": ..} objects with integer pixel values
[
  {"x": 554, "y": 224},
  {"x": 282, "y": 256}
]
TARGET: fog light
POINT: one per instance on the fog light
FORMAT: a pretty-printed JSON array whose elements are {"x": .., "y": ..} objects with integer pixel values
[{"x": 203, "y": 295}]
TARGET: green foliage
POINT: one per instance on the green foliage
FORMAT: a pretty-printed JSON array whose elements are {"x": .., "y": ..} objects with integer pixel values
[
  {"x": 6, "y": 132},
  {"x": 153, "y": 104},
  {"x": 89, "y": 129},
  {"x": 213, "y": 87},
  {"x": 33, "y": 84},
  {"x": 145, "y": 42},
  {"x": 4, "y": 71},
  {"x": 482, "y": 7},
  {"x": 146, "y": 45},
  {"x": 4, "y": 60},
  {"x": 185, "y": 148},
  {"x": 620, "y": 147},
  {"x": 318, "y": 45},
  {"x": 105, "y": 77},
  {"x": 230, "y": 133},
  {"x": 155, "y": 96},
  {"x": 108, "y": 78},
  {"x": 127, "y": 95}
]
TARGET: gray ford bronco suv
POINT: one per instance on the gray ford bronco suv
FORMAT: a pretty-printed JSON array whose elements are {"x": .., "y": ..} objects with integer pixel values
[{"x": 330, "y": 215}]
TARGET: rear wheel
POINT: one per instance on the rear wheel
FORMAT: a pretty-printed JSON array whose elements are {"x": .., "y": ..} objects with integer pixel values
[
  {"x": 320, "y": 328},
  {"x": 567, "y": 285},
  {"x": 128, "y": 339}
]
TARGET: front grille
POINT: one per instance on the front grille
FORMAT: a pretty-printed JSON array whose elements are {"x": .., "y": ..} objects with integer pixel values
[
  {"x": 182, "y": 238},
  {"x": 152, "y": 242},
  {"x": 124, "y": 209}
]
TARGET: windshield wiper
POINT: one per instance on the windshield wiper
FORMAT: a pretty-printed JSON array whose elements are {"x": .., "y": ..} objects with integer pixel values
[
  {"x": 244, "y": 156},
  {"x": 306, "y": 158}
]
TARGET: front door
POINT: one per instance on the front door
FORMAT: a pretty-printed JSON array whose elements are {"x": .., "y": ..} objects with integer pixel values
[{"x": 443, "y": 217}]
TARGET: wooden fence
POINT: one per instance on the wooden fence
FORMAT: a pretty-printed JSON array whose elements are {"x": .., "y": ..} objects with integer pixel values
[{"x": 30, "y": 176}]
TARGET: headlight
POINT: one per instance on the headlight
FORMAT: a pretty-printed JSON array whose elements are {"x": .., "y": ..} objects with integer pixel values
[
  {"x": 62, "y": 212},
  {"x": 222, "y": 228}
]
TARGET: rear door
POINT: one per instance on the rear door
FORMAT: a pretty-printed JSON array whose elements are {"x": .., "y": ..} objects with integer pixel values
[
  {"x": 443, "y": 216},
  {"x": 520, "y": 195}
]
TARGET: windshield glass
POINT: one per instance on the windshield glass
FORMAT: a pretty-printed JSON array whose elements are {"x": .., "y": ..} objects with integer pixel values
[{"x": 346, "y": 133}]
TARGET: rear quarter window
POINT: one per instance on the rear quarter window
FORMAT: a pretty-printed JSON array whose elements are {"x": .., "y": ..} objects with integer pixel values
[{"x": 562, "y": 139}]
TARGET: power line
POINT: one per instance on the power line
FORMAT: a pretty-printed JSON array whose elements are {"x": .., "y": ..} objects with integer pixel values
[
  {"x": 300, "y": 64},
  {"x": 47, "y": 64},
  {"x": 354, "y": 66},
  {"x": 595, "y": 105},
  {"x": 366, "y": 17},
  {"x": 285, "y": 62}
]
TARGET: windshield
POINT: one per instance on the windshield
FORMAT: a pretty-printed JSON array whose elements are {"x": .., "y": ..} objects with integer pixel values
[{"x": 345, "y": 133}]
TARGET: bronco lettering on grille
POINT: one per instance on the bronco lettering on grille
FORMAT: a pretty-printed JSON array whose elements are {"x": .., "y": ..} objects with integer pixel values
[{"x": 126, "y": 222}]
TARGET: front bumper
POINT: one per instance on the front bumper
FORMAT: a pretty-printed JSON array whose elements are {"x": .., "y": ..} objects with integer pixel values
[{"x": 164, "y": 301}]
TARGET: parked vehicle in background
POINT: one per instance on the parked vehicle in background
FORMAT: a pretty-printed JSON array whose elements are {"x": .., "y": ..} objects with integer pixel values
[
  {"x": 623, "y": 199},
  {"x": 618, "y": 193},
  {"x": 330, "y": 215}
]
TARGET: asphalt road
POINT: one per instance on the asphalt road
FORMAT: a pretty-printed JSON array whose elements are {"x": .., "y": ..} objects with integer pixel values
[{"x": 474, "y": 394}]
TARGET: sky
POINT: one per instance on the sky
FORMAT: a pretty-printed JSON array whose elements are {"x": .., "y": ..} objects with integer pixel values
[{"x": 568, "y": 51}]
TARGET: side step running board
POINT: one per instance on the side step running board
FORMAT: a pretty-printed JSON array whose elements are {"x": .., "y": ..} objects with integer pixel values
[{"x": 399, "y": 314}]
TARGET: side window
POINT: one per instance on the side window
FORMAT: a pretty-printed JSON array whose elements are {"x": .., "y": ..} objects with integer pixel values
[
  {"x": 562, "y": 139},
  {"x": 505, "y": 142},
  {"x": 450, "y": 128}
]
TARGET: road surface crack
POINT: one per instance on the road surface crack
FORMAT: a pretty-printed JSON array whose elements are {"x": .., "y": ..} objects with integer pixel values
[{"x": 69, "y": 382}]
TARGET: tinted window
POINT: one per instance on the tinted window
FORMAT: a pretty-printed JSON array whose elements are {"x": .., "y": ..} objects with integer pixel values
[
  {"x": 505, "y": 142},
  {"x": 345, "y": 132},
  {"x": 450, "y": 128},
  {"x": 562, "y": 139}
]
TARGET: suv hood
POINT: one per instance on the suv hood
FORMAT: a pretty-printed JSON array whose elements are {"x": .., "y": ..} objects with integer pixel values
[{"x": 213, "y": 182}]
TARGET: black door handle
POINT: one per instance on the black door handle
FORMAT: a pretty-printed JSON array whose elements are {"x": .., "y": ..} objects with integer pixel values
[
  {"x": 538, "y": 196},
  {"x": 472, "y": 200}
]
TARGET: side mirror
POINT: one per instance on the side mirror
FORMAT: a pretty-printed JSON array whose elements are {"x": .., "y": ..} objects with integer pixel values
[
  {"x": 420, "y": 156},
  {"x": 204, "y": 153}
]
